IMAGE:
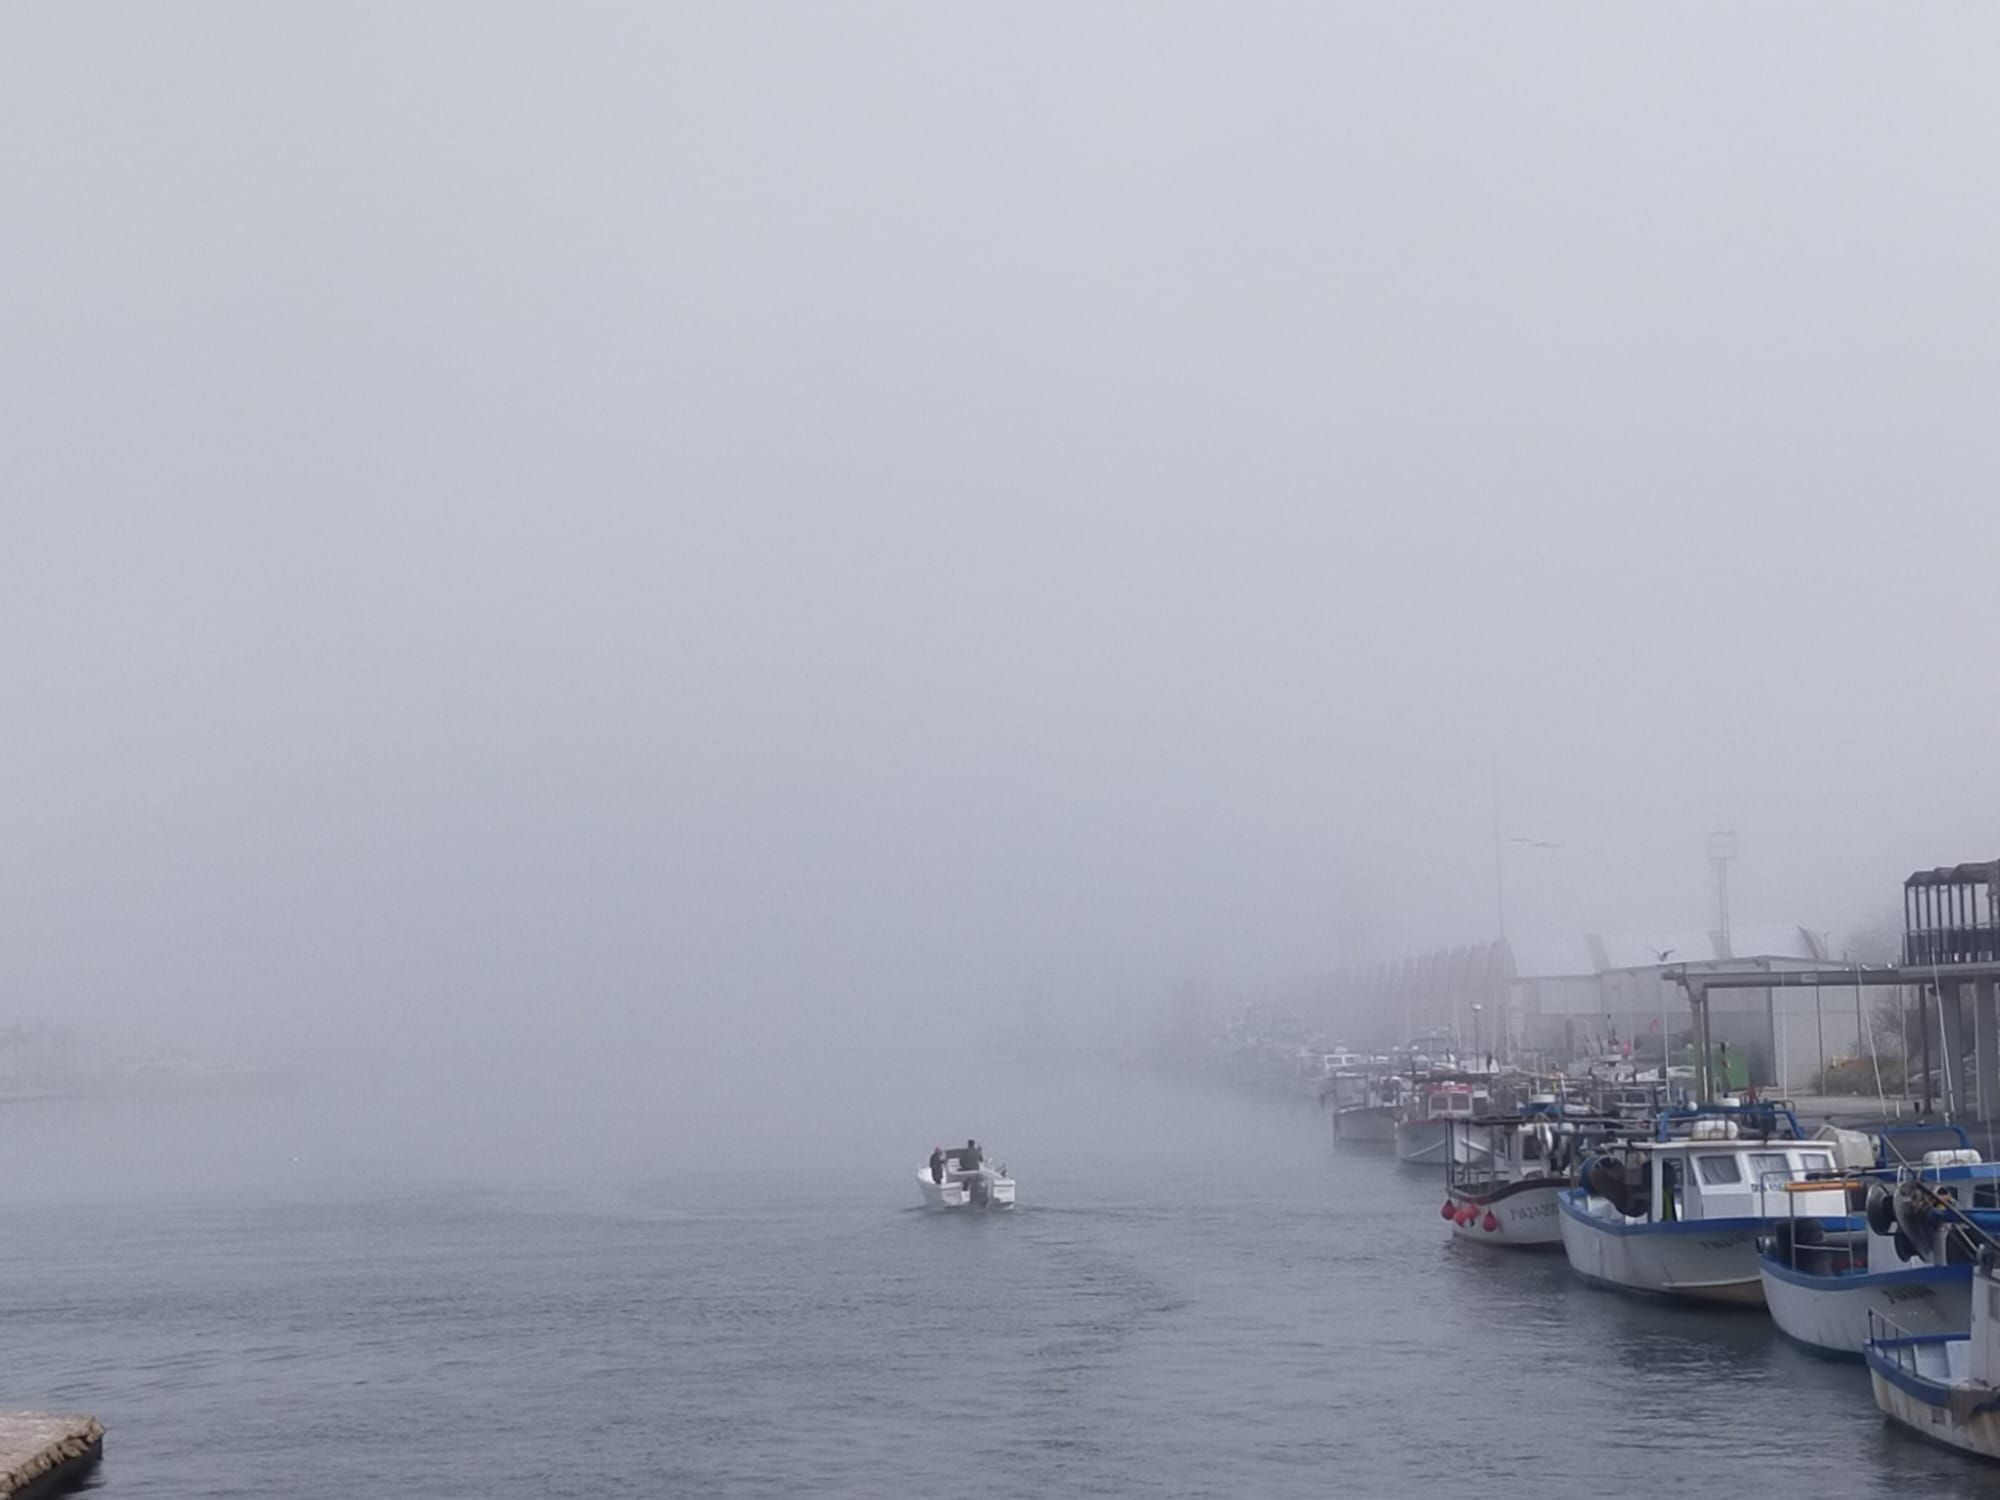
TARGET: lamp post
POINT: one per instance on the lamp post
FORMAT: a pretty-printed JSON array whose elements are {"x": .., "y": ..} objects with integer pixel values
[
  {"x": 1500, "y": 892},
  {"x": 1663, "y": 954},
  {"x": 1500, "y": 871}
]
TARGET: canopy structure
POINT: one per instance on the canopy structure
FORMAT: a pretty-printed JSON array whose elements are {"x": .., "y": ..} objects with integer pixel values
[{"x": 1951, "y": 915}]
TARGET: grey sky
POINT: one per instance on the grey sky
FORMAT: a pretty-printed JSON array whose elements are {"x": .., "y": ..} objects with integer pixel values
[{"x": 695, "y": 528}]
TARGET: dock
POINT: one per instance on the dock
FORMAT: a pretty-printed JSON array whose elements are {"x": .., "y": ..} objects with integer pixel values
[{"x": 43, "y": 1455}]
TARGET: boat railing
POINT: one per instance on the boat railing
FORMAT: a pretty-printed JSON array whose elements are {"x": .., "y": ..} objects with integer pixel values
[
  {"x": 1926, "y": 1135},
  {"x": 1892, "y": 1340},
  {"x": 1766, "y": 1119}
]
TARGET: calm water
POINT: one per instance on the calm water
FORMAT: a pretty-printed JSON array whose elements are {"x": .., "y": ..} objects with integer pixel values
[{"x": 1200, "y": 1296}]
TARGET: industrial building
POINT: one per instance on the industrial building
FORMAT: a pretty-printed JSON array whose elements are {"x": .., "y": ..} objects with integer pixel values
[{"x": 1620, "y": 995}]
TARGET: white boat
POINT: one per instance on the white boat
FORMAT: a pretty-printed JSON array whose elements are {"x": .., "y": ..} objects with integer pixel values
[
  {"x": 1423, "y": 1128},
  {"x": 1824, "y": 1289},
  {"x": 1365, "y": 1124},
  {"x": 1946, "y": 1387},
  {"x": 955, "y": 1185},
  {"x": 1681, "y": 1216},
  {"x": 1506, "y": 1196},
  {"x": 1314, "y": 1068},
  {"x": 1364, "y": 1103}
]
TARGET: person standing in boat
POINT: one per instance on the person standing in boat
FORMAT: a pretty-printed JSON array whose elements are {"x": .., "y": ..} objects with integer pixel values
[
  {"x": 937, "y": 1164},
  {"x": 968, "y": 1159}
]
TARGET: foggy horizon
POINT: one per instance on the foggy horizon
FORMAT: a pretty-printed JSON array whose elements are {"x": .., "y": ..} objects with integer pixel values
[{"x": 680, "y": 553}]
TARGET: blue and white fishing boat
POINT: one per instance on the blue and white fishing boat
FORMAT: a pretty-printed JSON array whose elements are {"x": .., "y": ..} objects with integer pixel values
[
  {"x": 1907, "y": 1262},
  {"x": 1944, "y": 1386},
  {"x": 1680, "y": 1215}
]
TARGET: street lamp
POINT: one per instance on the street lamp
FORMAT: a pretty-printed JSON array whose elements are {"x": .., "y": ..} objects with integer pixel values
[
  {"x": 1663, "y": 954},
  {"x": 1500, "y": 870},
  {"x": 1500, "y": 881}
]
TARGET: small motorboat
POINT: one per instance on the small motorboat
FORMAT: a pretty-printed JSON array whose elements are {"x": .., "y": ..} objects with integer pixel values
[{"x": 962, "y": 1178}]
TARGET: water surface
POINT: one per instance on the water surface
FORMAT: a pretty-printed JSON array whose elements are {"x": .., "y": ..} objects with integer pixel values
[{"x": 1200, "y": 1295}]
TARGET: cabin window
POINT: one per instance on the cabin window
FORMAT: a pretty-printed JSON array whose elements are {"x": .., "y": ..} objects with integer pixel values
[
  {"x": 1817, "y": 1161},
  {"x": 1719, "y": 1169},
  {"x": 1531, "y": 1147},
  {"x": 1768, "y": 1168}
]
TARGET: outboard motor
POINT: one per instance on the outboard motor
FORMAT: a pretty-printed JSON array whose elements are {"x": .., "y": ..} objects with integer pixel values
[{"x": 981, "y": 1193}]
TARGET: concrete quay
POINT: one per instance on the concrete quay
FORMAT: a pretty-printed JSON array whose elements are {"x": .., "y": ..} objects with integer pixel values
[{"x": 43, "y": 1454}]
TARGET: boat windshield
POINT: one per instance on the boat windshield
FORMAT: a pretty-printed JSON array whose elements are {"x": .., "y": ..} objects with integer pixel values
[
  {"x": 1716, "y": 1170},
  {"x": 1769, "y": 1167}
]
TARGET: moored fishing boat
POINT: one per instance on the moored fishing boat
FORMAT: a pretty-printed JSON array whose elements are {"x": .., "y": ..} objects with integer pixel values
[
  {"x": 1911, "y": 1260},
  {"x": 1945, "y": 1387},
  {"x": 1680, "y": 1215},
  {"x": 1508, "y": 1196},
  {"x": 1364, "y": 1104},
  {"x": 1424, "y": 1122},
  {"x": 1314, "y": 1068}
]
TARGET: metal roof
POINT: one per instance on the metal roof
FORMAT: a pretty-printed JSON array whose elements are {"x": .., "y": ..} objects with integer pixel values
[
  {"x": 1590, "y": 954},
  {"x": 1544, "y": 957},
  {"x": 1977, "y": 873},
  {"x": 1644, "y": 950}
]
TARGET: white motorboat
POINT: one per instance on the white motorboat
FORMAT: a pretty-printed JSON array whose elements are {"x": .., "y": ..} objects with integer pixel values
[
  {"x": 958, "y": 1181},
  {"x": 1680, "y": 1216}
]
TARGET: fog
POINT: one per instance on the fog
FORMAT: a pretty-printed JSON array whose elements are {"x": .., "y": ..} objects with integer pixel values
[{"x": 641, "y": 582}]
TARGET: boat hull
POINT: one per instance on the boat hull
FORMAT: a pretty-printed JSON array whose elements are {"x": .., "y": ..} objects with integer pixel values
[
  {"x": 1830, "y": 1314},
  {"x": 1523, "y": 1215},
  {"x": 1703, "y": 1260},
  {"x": 1924, "y": 1406},
  {"x": 1423, "y": 1142},
  {"x": 1365, "y": 1124},
  {"x": 958, "y": 1192}
]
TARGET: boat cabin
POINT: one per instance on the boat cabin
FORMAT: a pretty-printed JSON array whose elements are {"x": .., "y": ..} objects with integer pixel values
[
  {"x": 1716, "y": 1176},
  {"x": 1362, "y": 1088},
  {"x": 1492, "y": 1150},
  {"x": 1450, "y": 1101}
]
